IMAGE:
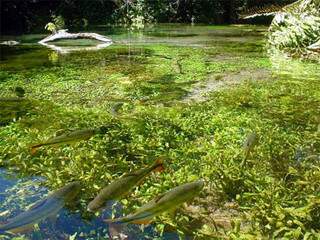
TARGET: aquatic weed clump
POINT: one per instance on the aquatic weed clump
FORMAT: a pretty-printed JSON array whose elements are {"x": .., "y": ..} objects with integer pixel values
[{"x": 298, "y": 27}]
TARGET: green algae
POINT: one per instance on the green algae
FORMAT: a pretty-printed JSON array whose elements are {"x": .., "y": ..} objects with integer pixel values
[{"x": 196, "y": 139}]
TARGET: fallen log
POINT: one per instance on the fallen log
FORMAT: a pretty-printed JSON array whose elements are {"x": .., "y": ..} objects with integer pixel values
[{"x": 63, "y": 34}]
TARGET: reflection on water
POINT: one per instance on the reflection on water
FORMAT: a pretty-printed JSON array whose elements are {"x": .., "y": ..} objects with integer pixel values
[
  {"x": 24, "y": 57},
  {"x": 66, "y": 49},
  {"x": 30, "y": 54}
]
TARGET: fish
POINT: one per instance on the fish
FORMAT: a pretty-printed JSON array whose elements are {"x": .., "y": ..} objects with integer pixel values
[
  {"x": 43, "y": 209},
  {"x": 121, "y": 187},
  {"x": 69, "y": 138},
  {"x": 249, "y": 143},
  {"x": 166, "y": 202}
]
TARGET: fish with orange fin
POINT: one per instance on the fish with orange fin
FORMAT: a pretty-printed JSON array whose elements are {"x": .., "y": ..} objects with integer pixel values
[
  {"x": 46, "y": 208},
  {"x": 166, "y": 202},
  {"x": 69, "y": 138},
  {"x": 121, "y": 187}
]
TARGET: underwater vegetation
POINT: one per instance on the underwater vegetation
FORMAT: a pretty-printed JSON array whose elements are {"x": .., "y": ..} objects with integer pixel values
[{"x": 255, "y": 144}]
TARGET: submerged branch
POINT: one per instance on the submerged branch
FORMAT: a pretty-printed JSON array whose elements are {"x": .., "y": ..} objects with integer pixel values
[{"x": 63, "y": 34}]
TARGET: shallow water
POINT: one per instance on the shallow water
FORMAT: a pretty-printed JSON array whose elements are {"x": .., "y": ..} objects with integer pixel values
[
  {"x": 16, "y": 194},
  {"x": 164, "y": 67},
  {"x": 29, "y": 54}
]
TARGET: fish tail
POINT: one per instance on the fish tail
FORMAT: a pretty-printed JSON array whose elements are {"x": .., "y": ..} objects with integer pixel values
[
  {"x": 35, "y": 148},
  {"x": 158, "y": 165}
]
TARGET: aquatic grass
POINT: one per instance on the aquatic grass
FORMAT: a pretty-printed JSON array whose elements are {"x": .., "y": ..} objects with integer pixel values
[{"x": 274, "y": 193}]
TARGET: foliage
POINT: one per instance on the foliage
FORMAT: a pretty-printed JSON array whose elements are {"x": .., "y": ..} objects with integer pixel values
[
  {"x": 51, "y": 27},
  {"x": 58, "y": 21},
  {"x": 297, "y": 28},
  {"x": 57, "y": 24},
  {"x": 33, "y": 14},
  {"x": 135, "y": 14}
]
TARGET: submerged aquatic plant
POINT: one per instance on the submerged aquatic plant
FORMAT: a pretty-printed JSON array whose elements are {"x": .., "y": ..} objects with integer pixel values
[{"x": 272, "y": 195}]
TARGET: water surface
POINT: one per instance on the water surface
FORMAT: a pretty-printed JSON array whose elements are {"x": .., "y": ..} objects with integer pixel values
[{"x": 164, "y": 71}]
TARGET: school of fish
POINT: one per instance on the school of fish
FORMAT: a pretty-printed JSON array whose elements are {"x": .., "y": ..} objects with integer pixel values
[{"x": 116, "y": 190}]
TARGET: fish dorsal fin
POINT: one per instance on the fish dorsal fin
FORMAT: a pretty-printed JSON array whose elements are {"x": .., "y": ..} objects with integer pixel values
[{"x": 130, "y": 174}]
